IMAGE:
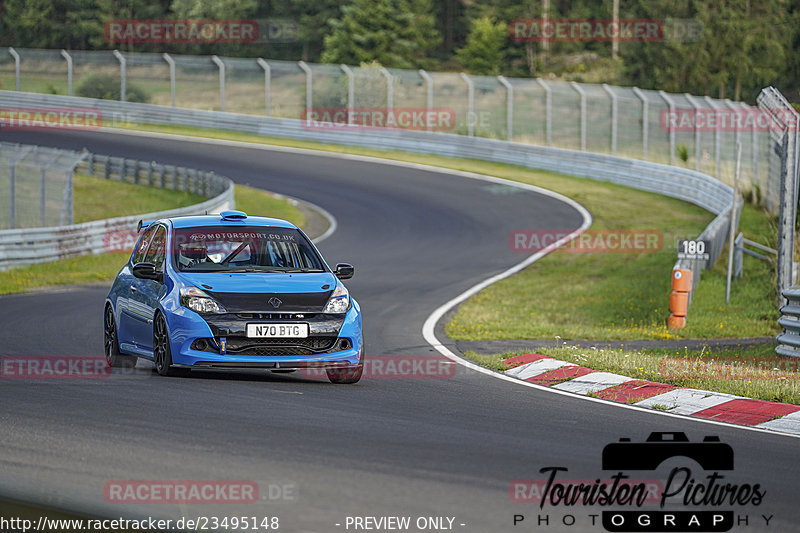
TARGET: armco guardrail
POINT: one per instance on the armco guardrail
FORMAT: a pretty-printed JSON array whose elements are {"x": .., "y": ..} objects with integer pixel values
[
  {"x": 789, "y": 340},
  {"x": 38, "y": 245},
  {"x": 682, "y": 183}
]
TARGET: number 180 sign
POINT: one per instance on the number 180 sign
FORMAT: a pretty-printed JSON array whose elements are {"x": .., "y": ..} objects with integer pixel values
[{"x": 693, "y": 249}]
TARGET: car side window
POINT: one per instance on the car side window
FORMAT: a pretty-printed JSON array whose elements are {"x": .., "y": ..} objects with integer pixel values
[
  {"x": 157, "y": 250},
  {"x": 138, "y": 256}
]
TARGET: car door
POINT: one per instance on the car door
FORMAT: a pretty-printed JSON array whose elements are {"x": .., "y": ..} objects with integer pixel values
[
  {"x": 146, "y": 293},
  {"x": 129, "y": 324}
]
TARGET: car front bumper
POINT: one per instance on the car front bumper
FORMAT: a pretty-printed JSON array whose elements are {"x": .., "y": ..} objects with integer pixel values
[{"x": 187, "y": 327}]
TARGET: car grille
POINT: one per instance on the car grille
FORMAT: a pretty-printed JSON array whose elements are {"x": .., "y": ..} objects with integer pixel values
[{"x": 307, "y": 346}]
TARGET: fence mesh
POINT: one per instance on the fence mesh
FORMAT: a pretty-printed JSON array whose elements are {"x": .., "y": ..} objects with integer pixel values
[
  {"x": 544, "y": 112},
  {"x": 36, "y": 185}
]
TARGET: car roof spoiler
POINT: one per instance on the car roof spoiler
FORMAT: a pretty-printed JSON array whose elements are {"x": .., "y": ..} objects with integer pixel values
[{"x": 142, "y": 225}]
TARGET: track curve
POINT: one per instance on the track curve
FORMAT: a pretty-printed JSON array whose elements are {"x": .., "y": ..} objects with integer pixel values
[{"x": 384, "y": 447}]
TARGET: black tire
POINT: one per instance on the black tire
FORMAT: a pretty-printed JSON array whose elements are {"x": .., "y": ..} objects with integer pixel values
[
  {"x": 114, "y": 357},
  {"x": 162, "y": 353},
  {"x": 347, "y": 375}
]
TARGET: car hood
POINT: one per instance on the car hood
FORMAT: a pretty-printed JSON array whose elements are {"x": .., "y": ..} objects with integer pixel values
[
  {"x": 260, "y": 282},
  {"x": 260, "y": 292}
]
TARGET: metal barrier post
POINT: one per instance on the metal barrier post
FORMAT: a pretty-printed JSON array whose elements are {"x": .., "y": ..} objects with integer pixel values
[
  {"x": 351, "y": 91},
  {"x": 389, "y": 89},
  {"x": 15, "y": 55},
  {"x": 671, "y": 105},
  {"x": 697, "y": 146},
  {"x": 68, "y": 57},
  {"x": 171, "y": 63},
  {"x": 548, "y": 104},
  {"x": 582, "y": 94},
  {"x": 221, "y": 65},
  {"x": 614, "y": 115},
  {"x": 717, "y": 139},
  {"x": 309, "y": 86},
  {"x": 509, "y": 107},
  {"x": 267, "y": 85},
  {"x": 645, "y": 118},
  {"x": 470, "y": 105},
  {"x": 123, "y": 75},
  {"x": 429, "y": 88}
]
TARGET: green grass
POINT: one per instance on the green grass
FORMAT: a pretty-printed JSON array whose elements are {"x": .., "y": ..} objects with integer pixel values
[
  {"x": 608, "y": 296},
  {"x": 749, "y": 371},
  {"x": 593, "y": 296},
  {"x": 125, "y": 199},
  {"x": 98, "y": 198}
]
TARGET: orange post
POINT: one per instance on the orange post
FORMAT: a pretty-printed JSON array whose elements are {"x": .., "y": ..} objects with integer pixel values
[{"x": 679, "y": 298}]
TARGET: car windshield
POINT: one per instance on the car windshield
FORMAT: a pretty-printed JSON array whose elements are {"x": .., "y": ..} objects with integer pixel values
[{"x": 243, "y": 249}]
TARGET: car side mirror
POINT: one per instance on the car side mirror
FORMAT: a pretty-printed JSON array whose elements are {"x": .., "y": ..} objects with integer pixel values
[
  {"x": 344, "y": 271},
  {"x": 147, "y": 271}
]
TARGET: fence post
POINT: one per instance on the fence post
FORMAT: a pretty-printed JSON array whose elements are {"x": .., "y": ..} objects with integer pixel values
[
  {"x": 698, "y": 156},
  {"x": 717, "y": 138},
  {"x": 671, "y": 106},
  {"x": 754, "y": 163},
  {"x": 171, "y": 63},
  {"x": 351, "y": 91},
  {"x": 429, "y": 88},
  {"x": 389, "y": 89},
  {"x": 470, "y": 104},
  {"x": 221, "y": 65},
  {"x": 12, "y": 171},
  {"x": 123, "y": 75},
  {"x": 15, "y": 55},
  {"x": 582, "y": 94},
  {"x": 309, "y": 86},
  {"x": 645, "y": 120},
  {"x": 738, "y": 137},
  {"x": 509, "y": 107},
  {"x": 267, "y": 85},
  {"x": 12, "y": 177},
  {"x": 548, "y": 111},
  {"x": 614, "y": 115},
  {"x": 68, "y": 57}
]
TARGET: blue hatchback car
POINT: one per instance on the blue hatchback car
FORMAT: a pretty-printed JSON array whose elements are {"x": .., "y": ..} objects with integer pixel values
[{"x": 232, "y": 291}]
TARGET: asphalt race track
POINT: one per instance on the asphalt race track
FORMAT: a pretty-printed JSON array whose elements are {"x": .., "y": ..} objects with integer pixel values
[{"x": 386, "y": 447}]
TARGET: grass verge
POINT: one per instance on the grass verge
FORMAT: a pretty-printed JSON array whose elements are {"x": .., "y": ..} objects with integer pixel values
[
  {"x": 752, "y": 371},
  {"x": 98, "y": 198},
  {"x": 105, "y": 199}
]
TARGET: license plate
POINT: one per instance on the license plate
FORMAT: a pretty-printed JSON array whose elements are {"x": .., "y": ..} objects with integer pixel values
[{"x": 297, "y": 331}]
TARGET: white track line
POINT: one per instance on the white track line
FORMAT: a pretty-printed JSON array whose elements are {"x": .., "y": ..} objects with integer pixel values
[{"x": 429, "y": 327}]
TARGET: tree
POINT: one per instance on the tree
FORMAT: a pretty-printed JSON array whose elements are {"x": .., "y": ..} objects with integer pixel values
[
  {"x": 483, "y": 53},
  {"x": 56, "y": 23},
  {"x": 395, "y": 33}
]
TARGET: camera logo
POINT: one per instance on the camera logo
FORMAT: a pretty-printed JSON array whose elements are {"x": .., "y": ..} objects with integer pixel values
[{"x": 711, "y": 454}]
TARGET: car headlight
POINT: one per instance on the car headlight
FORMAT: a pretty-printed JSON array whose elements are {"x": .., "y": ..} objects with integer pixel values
[
  {"x": 339, "y": 301},
  {"x": 199, "y": 302}
]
